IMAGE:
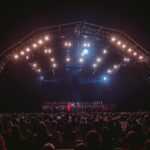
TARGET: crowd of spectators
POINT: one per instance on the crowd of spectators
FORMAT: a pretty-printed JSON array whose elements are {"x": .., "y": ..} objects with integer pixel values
[
  {"x": 94, "y": 106},
  {"x": 78, "y": 131}
]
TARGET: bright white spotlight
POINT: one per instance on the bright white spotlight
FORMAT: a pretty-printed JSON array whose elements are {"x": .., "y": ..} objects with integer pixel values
[
  {"x": 54, "y": 65},
  {"x": 115, "y": 66},
  {"x": 22, "y": 53},
  {"x": 34, "y": 45},
  {"x": 105, "y": 51},
  {"x": 27, "y": 57},
  {"x": 52, "y": 59},
  {"x": 66, "y": 44},
  {"x": 41, "y": 77},
  {"x": 69, "y": 44},
  {"x": 40, "y": 42},
  {"x": 123, "y": 46},
  {"x": 113, "y": 39},
  {"x": 49, "y": 51},
  {"x": 45, "y": 51},
  {"x": 126, "y": 59},
  {"x": 94, "y": 65},
  {"x": 34, "y": 65},
  {"x": 140, "y": 57},
  {"x": 129, "y": 50},
  {"x": 85, "y": 51},
  {"x": 99, "y": 59},
  {"x": 68, "y": 59},
  {"x": 81, "y": 60},
  {"x": 16, "y": 56},
  {"x": 82, "y": 54},
  {"x": 119, "y": 43},
  {"x": 88, "y": 44},
  {"x": 84, "y": 45},
  {"x": 109, "y": 71},
  {"x": 135, "y": 54},
  {"x": 27, "y": 49},
  {"x": 38, "y": 70},
  {"x": 105, "y": 78},
  {"x": 46, "y": 38}
]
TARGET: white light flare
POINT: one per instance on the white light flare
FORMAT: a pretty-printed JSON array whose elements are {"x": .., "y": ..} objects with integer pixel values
[
  {"x": 105, "y": 51},
  {"x": 113, "y": 39},
  {"x": 16, "y": 56},
  {"x": 81, "y": 60}
]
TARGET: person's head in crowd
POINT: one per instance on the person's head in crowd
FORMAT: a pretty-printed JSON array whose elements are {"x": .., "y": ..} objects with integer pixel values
[
  {"x": 147, "y": 145},
  {"x": 16, "y": 133},
  {"x": 42, "y": 129},
  {"x": 48, "y": 146},
  {"x": 93, "y": 140},
  {"x": 81, "y": 146},
  {"x": 132, "y": 140}
]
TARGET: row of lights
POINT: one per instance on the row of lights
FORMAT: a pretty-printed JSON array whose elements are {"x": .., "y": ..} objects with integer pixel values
[
  {"x": 99, "y": 59},
  {"x": 36, "y": 68},
  {"x": 34, "y": 45},
  {"x": 125, "y": 47},
  {"x": 114, "y": 68}
]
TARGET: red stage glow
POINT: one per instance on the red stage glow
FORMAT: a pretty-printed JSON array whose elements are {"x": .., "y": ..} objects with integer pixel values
[{"x": 68, "y": 107}]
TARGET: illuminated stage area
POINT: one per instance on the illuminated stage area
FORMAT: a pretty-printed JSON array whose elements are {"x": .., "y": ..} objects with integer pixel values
[{"x": 77, "y": 61}]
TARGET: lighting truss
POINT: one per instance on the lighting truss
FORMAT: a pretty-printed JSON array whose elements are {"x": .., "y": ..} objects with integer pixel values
[{"x": 75, "y": 30}]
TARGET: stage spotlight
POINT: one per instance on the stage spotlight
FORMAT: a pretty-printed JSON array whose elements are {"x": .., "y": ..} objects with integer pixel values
[
  {"x": 49, "y": 51},
  {"x": 109, "y": 71},
  {"x": 88, "y": 44},
  {"x": 38, "y": 70},
  {"x": 99, "y": 59},
  {"x": 40, "y": 42},
  {"x": 41, "y": 77},
  {"x": 81, "y": 60},
  {"x": 54, "y": 65},
  {"x": 119, "y": 43},
  {"x": 85, "y": 51},
  {"x": 140, "y": 57},
  {"x": 123, "y": 46},
  {"x": 129, "y": 50},
  {"x": 94, "y": 65},
  {"x": 135, "y": 53},
  {"x": 22, "y": 53},
  {"x": 27, "y": 49},
  {"x": 34, "y": 65},
  {"x": 115, "y": 66},
  {"x": 34, "y": 45},
  {"x": 16, "y": 56},
  {"x": 68, "y": 59},
  {"x": 113, "y": 39},
  {"x": 45, "y": 51},
  {"x": 82, "y": 54},
  {"x": 27, "y": 57},
  {"x": 52, "y": 59},
  {"x": 84, "y": 45},
  {"x": 105, "y": 78},
  {"x": 126, "y": 59},
  {"x": 68, "y": 44},
  {"x": 105, "y": 51},
  {"x": 46, "y": 38}
]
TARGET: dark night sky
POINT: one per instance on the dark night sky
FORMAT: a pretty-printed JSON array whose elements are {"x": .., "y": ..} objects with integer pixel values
[{"x": 19, "y": 18}]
